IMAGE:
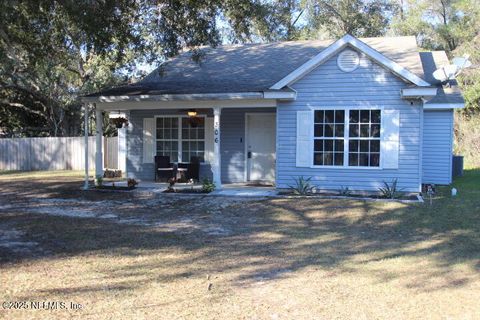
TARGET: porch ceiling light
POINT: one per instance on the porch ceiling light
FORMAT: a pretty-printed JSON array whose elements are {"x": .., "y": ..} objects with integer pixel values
[{"x": 192, "y": 113}]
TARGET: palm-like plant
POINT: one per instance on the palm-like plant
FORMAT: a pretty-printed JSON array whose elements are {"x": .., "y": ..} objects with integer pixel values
[
  {"x": 302, "y": 186},
  {"x": 390, "y": 190}
]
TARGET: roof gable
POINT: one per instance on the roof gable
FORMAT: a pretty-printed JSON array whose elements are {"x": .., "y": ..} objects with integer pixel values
[{"x": 339, "y": 45}]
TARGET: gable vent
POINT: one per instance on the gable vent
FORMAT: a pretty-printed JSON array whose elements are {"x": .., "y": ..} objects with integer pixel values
[{"x": 348, "y": 60}]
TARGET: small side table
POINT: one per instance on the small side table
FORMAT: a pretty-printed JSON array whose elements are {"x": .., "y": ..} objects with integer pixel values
[{"x": 182, "y": 169}]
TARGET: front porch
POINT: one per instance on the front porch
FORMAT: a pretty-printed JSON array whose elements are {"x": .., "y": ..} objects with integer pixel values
[
  {"x": 236, "y": 145},
  {"x": 228, "y": 189}
]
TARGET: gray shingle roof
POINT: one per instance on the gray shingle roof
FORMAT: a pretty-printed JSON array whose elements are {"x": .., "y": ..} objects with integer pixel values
[{"x": 256, "y": 67}]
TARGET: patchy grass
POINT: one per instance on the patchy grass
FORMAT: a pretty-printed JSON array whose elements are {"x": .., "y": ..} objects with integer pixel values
[
  {"x": 25, "y": 175},
  {"x": 213, "y": 258}
]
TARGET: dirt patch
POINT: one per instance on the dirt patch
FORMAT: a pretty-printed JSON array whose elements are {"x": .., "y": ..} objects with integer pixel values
[
  {"x": 132, "y": 212},
  {"x": 16, "y": 241}
]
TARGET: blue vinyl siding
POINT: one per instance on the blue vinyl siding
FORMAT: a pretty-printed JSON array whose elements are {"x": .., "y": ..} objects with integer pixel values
[
  {"x": 232, "y": 145},
  {"x": 370, "y": 85},
  {"x": 437, "y": 146}
]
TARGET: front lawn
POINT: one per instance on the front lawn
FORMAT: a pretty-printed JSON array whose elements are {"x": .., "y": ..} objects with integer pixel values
[{"x": 152, "y": 256}]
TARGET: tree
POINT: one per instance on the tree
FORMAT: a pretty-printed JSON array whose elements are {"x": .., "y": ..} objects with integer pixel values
[
  {"x": 469, "y": 79},
  {"x": 439, "y": 24},
  {"x": 360, "y": 18},
  {"x": 53, "y": 51}
]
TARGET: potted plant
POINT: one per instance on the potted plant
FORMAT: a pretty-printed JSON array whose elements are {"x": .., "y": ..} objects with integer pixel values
[
  {"x": 132, "y": 183},
  {"x": 119, "y": 122},
  {"x": 194, "y": 121}
]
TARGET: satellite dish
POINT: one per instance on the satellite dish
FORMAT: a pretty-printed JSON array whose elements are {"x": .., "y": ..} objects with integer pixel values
[
  {"x": 446, "y": 73},
  {"x": 462, "y": 62},
  {"x": 449, "y": 72}
]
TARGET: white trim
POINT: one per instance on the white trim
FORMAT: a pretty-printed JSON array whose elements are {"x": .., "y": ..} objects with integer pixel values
[
  {"x": 390, "y": 143},
  {"x": 304, "y": 138},
  {"x": 339, "y": 45},
  {"x": 245, "y": 139},
  {"x": 195, "y": 96},
  {"x": 418, "y": 92},
  {"x": 85, "y": 128},
  {"x": 207, "y": 104},
  {"x": 420, "y": 151},
  {"x": 280, "y": 95},
  {"x": 99, "y": 143},
  {"x": 429, "y": 106},
  {"x": 176, "y": 97},
  {"x": 346, "y": 138},
  {"x": 217, "y": 152},
  {"x": 450, "y": 166},
  {"x": 147, "y": 150}
]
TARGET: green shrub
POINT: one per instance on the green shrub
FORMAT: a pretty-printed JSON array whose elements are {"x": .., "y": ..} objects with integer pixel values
[{"x": 208, "y": 185}]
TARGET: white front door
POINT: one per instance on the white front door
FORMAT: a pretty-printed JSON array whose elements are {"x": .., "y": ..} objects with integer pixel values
[{"x": 260, "y": 146}]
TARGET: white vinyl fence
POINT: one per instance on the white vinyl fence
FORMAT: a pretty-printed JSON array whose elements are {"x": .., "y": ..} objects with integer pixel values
[
  {"x": 110, "y": 153},
  {"x": 54, "y": 153}
]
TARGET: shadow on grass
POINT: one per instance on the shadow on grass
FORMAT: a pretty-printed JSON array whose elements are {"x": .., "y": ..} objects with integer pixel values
[{"x": 271, "y": 239}]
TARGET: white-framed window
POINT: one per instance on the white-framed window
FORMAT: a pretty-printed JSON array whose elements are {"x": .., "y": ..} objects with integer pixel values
[
  {"x": 347, "y": 137},
  {"x": 180, "y": 138}
]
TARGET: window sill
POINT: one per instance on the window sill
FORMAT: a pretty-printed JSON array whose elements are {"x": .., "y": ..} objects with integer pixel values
[{"x": 345, "y": 167}]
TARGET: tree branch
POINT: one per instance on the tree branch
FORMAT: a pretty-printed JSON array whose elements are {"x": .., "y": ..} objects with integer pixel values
[{"x": 23, "y": 107}]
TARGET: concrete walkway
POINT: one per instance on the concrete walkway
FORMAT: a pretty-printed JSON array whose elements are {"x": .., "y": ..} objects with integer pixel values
[
  {"x": 241, "y": 190},
  {"x": 233, "y": 190}
]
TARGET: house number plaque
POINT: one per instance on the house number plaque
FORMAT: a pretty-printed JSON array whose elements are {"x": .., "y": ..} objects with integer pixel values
[{"x": 216, "y": 132}]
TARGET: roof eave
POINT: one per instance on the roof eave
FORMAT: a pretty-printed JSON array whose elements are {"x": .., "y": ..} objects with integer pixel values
[
  {"x": 430, "y": 106},
  {"x": 176, "y": 97},
  {"x": 271, "y": 94}
]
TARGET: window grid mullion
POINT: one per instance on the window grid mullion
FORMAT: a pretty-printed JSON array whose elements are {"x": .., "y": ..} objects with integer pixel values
[
  {"x": 179, "y": 142},
  {"x": 346, "y": 137}
]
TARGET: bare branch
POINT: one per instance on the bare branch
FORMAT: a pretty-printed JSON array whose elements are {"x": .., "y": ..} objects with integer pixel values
[{"x": 23, "y": 107}]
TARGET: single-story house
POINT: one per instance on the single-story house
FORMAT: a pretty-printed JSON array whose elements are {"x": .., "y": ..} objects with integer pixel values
[{"x": 347, "y": 113}]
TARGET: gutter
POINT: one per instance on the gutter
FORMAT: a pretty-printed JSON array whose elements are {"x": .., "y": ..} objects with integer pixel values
[{"x": 418, "y": 92}]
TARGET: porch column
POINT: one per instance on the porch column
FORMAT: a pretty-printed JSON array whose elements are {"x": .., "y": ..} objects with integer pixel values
[
  {"x": 217, "y": 175},
  {"x": 85, "y": 110},
  {"x": 122, "y": 150},
  {"x": 99, "y": 144}
]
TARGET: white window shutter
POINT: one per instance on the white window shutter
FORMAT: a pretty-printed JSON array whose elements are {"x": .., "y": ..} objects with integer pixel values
[
  {"x": 390, "y": 145},
  {"x": 148, "y": 140},
  {"x": 209, "y": 138},
  {"x": 304, "y": 138}
]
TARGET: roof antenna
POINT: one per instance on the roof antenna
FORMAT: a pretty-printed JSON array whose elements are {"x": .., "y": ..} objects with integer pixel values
[{"x": 446, "y": 73}]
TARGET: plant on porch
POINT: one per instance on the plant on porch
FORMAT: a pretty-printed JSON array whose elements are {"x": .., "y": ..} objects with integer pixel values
[{"x": 119, "y": 122}]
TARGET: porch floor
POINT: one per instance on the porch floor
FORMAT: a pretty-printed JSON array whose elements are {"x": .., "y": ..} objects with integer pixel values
[{"x": 228, "y": 189}]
